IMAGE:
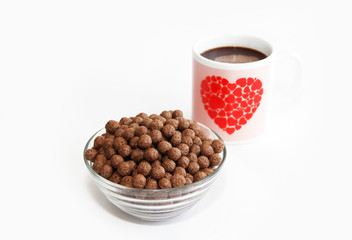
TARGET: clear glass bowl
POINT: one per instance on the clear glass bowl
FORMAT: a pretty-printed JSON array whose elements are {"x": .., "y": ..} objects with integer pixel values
[{"x": 153, "y": 205}]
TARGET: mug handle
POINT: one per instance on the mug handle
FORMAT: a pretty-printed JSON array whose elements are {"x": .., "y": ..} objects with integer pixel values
[{"x": 287, "y": 75}]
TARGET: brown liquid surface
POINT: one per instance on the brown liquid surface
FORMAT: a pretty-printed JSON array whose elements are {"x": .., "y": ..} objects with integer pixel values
[{"x": 233, "y": 55}]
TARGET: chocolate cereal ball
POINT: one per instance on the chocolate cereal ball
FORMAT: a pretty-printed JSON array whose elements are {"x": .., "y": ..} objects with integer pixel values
[
  {"x": 115, "y": 177},
  {"x": 197, "y": 141},
  {"x": 144, "y": 168},
  {"x": 183, "y": 148},
  {"x": 144, "y": 141},
  {"x": 168, "y": 130},
  {"x": 158, "y": 172},
  {"x": 199, "y": 176},
  {"x": 182, "y": 123},
  {"x": 125, "y": 121},
  {"x": 139, "y": 181},
  {"x": 215, "y": 159},
  {"x": 116, "y": 160},
  {"x": 98, "y": 142},
  {"x": 178, "y": 180},
  {"x": 192, "y": 157},
  {"x": 137, "y": 155},
  {"x": 119, "y": 132},
  {"x": 142, "y": 115},
  {"x": 156, "y": 124},
  {"x": 141, "y": 130},
  {"x": 165, "y": 183},
  {"x": 183, "y": 161},
  {"x": 177, "y": 113},
  {"x": 195, "y": 127},
  {"x": 127, "y": 181},
  {"x": 189, "y": 132},
  {"x": 203, "y": 162},
  {"x": 99, "y": 162},
  {"x": 172, "y": 122},
  {"x": 166, "y": 114},
  {"x": 218, "y": 145},
  {"x": 125, "y": 168},
  {"x": 151, "y": 154},
  {"x": 106, "y": 171},
  {"x": 168, "y": 164},
  {"x": 206, "y": 149},
  {"x": 151, "y": 184},
  {"x": 156, "y": 136},
  {"x": 194, "y": 149},
  {"x": 174, "y": 153},
  {"x": 119, "y": 142},
  {"x": 156, "y": 163},
  {"x": 187, "y": 140},
  {"x": 134, "y": 142},
  {"x": 176, "y": 139},
  {"x": 109, "y": 152},
  {"x": 179, "y": 170},
  {"x": 146, "y": 122},
  {"x": 164, "y": 147},
  {"x": 91, "y": 154},
  {"x": 193, "y": 168},
  {"x": 111, "y": 126},
  {"x": 168, "y": 175},
  {"x": 128, "y": 134},
  {"x": 124, "y": 150}
]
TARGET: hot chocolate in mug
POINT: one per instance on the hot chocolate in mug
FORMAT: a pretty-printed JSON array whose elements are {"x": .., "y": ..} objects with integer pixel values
[{"x": 232, "y": 82}]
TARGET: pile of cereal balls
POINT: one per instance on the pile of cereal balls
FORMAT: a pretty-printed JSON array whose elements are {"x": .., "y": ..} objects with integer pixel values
[{"x": 155, "y": 151}]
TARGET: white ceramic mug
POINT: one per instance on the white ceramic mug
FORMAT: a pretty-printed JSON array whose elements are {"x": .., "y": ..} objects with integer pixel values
[{"x": 232, "y": 98}]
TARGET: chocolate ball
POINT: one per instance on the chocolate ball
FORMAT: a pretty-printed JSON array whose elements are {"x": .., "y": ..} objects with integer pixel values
[
  {"x": 151, "y": 154},
  {"x": 156, "y": 136},
  {"x": 168, "y": 130},
  {"x": 164, "y": 147},
  {"x": 111, "y": 126},
  {"x": 172, "y": 122},
  {"x": 144, "y": 168},
  {"x": 176, "y": 139},
  {"x": 106, "y": 171},
  {"x": 193, "y": 167},
  {"x": 127, "y": 181},
  {"x": 183, "y": 161},
  {"x": 91, "y": 154},
  {"x": 137, "y": 155},
  {"x": 139, "y": 181},
  {"x": 206, "y": 149},
  {"x": 115, "y": 177},
  {"x": 187, "y": 140},
  {"x": 194, "y": 149},
  {"x": 189, "y": 132},
  {"x": 125, "y": 121},
  {"x": 199, "y": 176},
  {"x": 218, "y": 145},
  {"x": 124, "y": 150},
  {"x": 134, "y": 142},
  {"x": 98, "y": 142},
  {"x": 178, "y": 180},
  {"x": 166, "y": 114},
  {"x": 174, "y": 153},
  {"x": 158, "y": 172},
  {"x": 156, "y": 124},
  {"x": 168, "y": 164},
  {"x": 116, "y": 160},
  {"x": 144, "y": 141},
  {"x": 165, "y": 183},
  {"x": 151, "y": 184},
  {"x": 215, "y": 159},
  {"x": 124, "y": 168},
  {"x": 119, "y": 142},
  {"x": 180, "y": 170},
  {"x": 182, "y": 123},
  {"x": 141, "y": 130},
  {"x": 142, "y": 115},
  {"x": 177, "y": 113},
  {"x": 203, "y": 162},
  {"x": 183, "y": 148}
]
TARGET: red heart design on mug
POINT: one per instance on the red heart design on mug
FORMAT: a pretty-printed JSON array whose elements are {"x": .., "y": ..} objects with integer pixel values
[{"x": 231, "y": 105}]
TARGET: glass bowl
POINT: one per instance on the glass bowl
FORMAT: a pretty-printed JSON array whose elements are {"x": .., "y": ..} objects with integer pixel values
[{"x": 154, "y": 205}]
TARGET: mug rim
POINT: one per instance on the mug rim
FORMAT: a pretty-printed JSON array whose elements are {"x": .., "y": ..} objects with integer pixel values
[{"x": 217, "y": 41}]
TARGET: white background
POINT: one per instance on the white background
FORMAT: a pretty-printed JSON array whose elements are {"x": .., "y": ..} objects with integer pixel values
[{"x": 66, "y": 67}]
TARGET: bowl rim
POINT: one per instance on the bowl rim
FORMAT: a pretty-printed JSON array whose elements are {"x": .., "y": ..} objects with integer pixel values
[{"x": 194, "y": 184}]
